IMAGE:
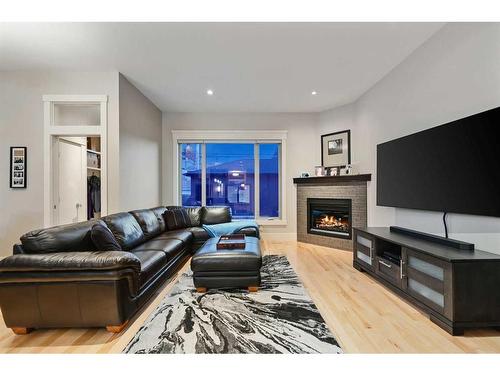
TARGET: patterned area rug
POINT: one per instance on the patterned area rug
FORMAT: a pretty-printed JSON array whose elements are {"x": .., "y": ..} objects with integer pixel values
[{"x": 279, "y": 318}]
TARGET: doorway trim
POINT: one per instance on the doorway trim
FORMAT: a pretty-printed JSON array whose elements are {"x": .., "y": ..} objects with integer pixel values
[{"x": 50, "y": 130}]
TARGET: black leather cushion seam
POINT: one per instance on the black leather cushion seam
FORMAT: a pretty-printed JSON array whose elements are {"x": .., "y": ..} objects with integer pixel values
[
  {"x": 168, "y": 267},
  {"x": 173, "y": 236},
  {"x": 231, "y": 273},
  {"x": 176, "y": 219},
  {"x": 152, "y": 261},
  {"x": 212, "y": 256},
  {"x": 138, "y": 249},
  {"x": 154, "y": 275}
]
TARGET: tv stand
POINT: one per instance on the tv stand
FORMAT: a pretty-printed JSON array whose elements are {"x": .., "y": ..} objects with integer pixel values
[
  {"x": 458, "y": 289},
  {"x": 456, "y": 244}
]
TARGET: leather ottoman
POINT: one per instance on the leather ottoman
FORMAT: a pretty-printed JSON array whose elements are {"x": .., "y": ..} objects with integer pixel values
[{"x": 237, "y": 268}]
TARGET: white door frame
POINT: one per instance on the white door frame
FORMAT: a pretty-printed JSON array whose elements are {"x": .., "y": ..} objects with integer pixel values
[{"x": 50, "y": 130}]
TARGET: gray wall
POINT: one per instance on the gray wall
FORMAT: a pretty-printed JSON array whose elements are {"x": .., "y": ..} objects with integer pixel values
[
  {"x": 21, "y": 124},
  {"x": 140, "y": 149},
  {"x": 454, "y": 74}
]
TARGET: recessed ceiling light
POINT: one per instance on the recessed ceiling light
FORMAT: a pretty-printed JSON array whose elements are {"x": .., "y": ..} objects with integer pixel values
[
  {"x": 314, "y": 93},
  {"x": 210, "y": 92}
]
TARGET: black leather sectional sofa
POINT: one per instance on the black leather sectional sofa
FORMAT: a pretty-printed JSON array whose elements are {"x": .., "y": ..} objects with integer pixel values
[{"x": 58, "y": 278}]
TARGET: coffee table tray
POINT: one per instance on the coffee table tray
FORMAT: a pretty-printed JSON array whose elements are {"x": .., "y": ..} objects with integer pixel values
[{"x": 231, "y": 241}]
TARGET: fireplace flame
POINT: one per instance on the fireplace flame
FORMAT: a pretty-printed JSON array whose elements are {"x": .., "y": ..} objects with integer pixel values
[
  {"x": 330, "y": 220},
  {"x": 332, "y": 223}
]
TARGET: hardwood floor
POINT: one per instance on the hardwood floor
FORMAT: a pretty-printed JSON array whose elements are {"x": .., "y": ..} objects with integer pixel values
[{"x": 363, "y": 315}]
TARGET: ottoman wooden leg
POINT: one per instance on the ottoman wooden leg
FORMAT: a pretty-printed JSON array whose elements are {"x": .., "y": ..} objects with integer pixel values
[
  {"x": 201, "y": 289},
  {"x": 21, "y": 330},
  {"x": 253, "y": 289},
  {"x": 116, "y": 329}
]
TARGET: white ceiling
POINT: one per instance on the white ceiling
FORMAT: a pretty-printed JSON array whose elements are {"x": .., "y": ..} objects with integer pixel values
[{"x": 252, "y": 67}]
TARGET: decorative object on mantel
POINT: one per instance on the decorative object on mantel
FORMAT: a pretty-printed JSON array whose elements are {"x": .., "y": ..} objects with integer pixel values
[
  {"x": 18, "y": 165},
  {"x": 347, "y": 170},
  {"x": 319, "y": 171},
  {"x": 336, "y": 149},
  {"x": 304, "y": 174},
  {"x": 333, "y": 171}
]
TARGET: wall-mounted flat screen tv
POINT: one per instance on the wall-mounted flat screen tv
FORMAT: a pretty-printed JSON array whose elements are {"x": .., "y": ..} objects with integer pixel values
[{"x": 453, "y": 167}]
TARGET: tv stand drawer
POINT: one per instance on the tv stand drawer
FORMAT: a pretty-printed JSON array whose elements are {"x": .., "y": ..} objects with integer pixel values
[{"x": 388, "y": 270}]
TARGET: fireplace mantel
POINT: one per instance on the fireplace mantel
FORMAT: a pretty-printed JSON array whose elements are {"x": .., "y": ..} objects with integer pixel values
[{"x": 332, "y": 179}]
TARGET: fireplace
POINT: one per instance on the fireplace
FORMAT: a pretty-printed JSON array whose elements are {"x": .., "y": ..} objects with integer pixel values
[{"x": 329, "y": 217}]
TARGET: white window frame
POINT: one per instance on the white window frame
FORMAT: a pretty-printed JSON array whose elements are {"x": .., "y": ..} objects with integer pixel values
[{"x": 222, "y": 136}]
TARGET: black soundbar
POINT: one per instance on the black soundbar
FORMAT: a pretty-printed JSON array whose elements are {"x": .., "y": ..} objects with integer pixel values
[{"x": 461, "y": 245}]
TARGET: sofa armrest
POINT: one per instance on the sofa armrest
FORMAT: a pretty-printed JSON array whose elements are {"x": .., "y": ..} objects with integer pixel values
[{"x": 71, "y": 261}]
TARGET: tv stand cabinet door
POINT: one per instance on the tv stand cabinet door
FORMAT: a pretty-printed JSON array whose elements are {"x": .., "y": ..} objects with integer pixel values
[
  {"x": 428, "y": 280},
  {"x": 364, "y": 249}
]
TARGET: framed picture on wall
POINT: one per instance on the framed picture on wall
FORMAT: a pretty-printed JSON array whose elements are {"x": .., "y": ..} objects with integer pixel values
[
  {"x": 336, "y": 149},
  {"x": 18, "y": 165}
]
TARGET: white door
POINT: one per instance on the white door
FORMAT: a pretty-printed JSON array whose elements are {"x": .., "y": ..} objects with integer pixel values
[{"x": 70, "y": 200}]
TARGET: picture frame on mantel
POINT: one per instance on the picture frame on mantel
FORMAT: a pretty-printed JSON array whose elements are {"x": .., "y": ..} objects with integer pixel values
[
  {"x": 336, "y": 149},
  {"x": 18, "y": 168}
]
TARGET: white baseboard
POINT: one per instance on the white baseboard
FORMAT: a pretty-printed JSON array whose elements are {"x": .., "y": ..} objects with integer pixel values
[{"x": 277, "y": 236}]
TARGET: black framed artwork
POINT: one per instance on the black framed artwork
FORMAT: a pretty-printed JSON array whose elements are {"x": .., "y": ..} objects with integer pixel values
[
  {"x": 336, "y": 149},
  {"x": 18, "y": 167}
]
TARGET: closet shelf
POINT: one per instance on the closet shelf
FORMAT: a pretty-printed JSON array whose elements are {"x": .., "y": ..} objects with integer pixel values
[
  {"x": 94, "y": 152},
  {"x": 94, "y": 168}
]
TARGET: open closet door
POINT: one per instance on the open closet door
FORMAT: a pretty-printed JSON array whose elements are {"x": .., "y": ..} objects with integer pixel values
[{"x": 70, "y": 198}]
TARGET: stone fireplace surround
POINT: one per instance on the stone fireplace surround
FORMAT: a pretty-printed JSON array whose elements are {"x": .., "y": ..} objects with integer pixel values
[{"x": 342, "y": 187}]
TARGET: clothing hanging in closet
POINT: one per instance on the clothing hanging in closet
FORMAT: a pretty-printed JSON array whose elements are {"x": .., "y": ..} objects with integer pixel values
[{"x": 93, "y": 196}]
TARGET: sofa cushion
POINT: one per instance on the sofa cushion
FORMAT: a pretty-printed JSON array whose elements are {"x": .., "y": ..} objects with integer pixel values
[
  {"x": 126, "y": 229},
  {"x": 158, "y": 211},
  {"x": 176, "y": 219},
  {"x": 183, "y": 235},
  {"x": 194, "y": 213},
  {"x": 215, "y": 215},
  {"x": 103, "y": 239},
  {"x": 70, "y": 237},
  {"x": 170, "y": 247},
  {"x": 199, "y": 234},
  {"x": 148, "y": 221},
  {"x": 152, "y": 262}
]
